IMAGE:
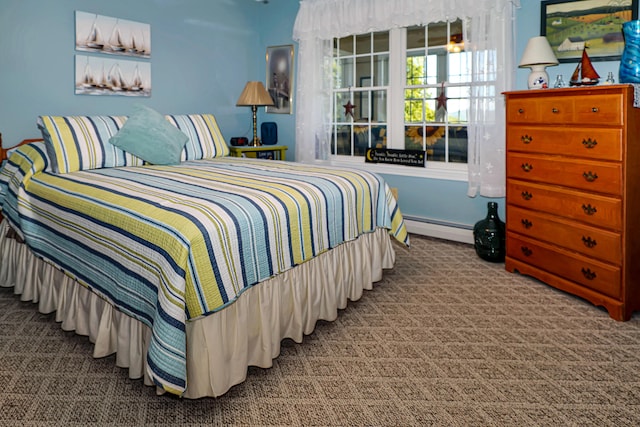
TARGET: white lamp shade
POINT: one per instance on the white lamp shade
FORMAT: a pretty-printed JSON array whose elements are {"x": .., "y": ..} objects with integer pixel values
[
  {"x": 538, "y": 55},
  {"x": 538, "y": 52}
]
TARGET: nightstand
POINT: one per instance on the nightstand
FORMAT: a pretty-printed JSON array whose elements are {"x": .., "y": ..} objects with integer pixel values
[{"x": 275, "y": 152}]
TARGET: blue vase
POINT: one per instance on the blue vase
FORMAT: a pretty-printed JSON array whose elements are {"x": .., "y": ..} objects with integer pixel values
[{"x": 630, "y": 61}]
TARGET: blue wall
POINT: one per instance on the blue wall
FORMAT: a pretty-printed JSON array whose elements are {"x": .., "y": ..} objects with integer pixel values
[{"x": 204, "y": 52}]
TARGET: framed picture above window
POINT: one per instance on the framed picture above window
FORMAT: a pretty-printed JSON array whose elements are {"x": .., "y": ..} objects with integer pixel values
[
  {"x": 571, "y": 26},
  {"x": 280, "y": 78}
]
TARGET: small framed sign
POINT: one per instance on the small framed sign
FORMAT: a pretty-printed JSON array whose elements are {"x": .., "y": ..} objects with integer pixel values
[{"x": 396, "y": 157}]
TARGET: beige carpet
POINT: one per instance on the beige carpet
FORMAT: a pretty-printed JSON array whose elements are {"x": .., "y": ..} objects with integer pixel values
[{"x": 445, "y": 339}]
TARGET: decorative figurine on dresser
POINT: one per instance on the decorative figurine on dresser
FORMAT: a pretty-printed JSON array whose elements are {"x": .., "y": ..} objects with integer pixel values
[{"x": 573, "y": 192}]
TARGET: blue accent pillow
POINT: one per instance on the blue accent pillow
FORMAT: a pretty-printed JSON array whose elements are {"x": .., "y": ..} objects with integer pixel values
[{"x": 149, "y": 136}]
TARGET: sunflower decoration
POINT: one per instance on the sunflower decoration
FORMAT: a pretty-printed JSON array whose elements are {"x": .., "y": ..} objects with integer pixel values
[
  {"x": 378, "y": 134},
  {"x": 431, "y": 133}
]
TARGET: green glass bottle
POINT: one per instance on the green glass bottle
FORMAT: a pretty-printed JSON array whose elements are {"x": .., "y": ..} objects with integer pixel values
[{"x": 489, "y": 236}]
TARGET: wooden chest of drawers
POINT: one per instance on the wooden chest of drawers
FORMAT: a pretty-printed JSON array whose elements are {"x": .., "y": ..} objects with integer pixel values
[{"x": 573, "y": 192}]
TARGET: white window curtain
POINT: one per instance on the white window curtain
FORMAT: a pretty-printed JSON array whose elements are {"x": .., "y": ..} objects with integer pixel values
[{"x": 490, "y": 36}]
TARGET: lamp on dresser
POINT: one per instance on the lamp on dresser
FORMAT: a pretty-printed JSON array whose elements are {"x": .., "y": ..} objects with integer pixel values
[
  {"x": 254, "y": 95},
  {"x": 538, "y": 55}
]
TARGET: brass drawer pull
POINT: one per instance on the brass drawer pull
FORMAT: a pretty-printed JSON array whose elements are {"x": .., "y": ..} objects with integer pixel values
[
  {"x": 526, "y": 223},
  {"x": 526, "y": 251},
  {"x": 589, "y": 143},
  {"x": 594, "y": 109},
  {"x": 590, "y": 176},
  {"x": 521, "y": 110},
  {"x": 526, "y": 167},
  {"x": 589, "y": 242},
  {"x": 589, "y": 210},
  {"x": 588, "y": 274},
  {"x": 526, "y": 139},
  {"x": 555, "y": 110},
  {"x": 526, "y": 195}
]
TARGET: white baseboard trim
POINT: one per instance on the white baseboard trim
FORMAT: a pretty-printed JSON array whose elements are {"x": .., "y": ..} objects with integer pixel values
[{"x": 446, "y": 232}]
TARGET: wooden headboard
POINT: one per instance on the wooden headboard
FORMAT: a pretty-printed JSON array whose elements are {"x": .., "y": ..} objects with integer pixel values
[{"x": 3, "y": 151}]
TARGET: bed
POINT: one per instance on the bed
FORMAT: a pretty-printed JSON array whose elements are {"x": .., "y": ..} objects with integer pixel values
[{"x": 189, "y": 271}]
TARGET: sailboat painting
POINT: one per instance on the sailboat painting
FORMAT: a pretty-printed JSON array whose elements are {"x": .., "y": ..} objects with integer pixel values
[
  {"x": 104, "y": 34},
  {"x": 97, "y": 75}
]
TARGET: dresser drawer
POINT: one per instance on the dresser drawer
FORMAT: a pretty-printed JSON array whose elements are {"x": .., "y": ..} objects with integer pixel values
[
  {"x": 593, "y": 242},
  {"x": 598, "y": 109},
  {"x": 590, "y": 143},
  {"x": 603, "y": 109},
  {"x": 592, "y": 176},
  {"x": 593, "y": 274},
  {"x": 593, "y": 209}
]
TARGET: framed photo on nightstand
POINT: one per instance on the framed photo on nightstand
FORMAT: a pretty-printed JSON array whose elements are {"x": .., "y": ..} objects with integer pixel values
[{"x": 270, "y": 155}]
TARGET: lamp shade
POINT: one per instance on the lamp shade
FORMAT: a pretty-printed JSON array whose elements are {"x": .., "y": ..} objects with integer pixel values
[
  {"x": 254, "y": 93},
  {"x": 538, "y": 52}
]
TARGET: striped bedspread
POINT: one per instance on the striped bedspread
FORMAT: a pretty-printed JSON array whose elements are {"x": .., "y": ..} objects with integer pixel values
[{"x": 167, "y": 244}]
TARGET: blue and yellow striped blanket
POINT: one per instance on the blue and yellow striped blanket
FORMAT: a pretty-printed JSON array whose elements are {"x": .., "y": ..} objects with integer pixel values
[{"x": 167, "y": 244}]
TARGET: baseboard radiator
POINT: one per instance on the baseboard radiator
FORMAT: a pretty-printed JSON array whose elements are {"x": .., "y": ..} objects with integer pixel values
[{"x": 440, "y": 229}]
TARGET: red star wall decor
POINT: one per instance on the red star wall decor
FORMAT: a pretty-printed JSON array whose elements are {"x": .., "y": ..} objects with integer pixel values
[
  {"x": 442, "y": 99},
  {"x": 348, "y": 109}
]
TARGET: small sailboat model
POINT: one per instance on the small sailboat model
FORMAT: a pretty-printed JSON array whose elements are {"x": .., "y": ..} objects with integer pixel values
[{"x": 584, "y": 74}]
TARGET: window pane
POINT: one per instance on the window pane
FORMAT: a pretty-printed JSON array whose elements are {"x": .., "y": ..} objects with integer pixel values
[
  {"x": 341, "y": 140},
  {"x": 344, "y": 73},
  {"x": 413, "y": 139},
  {"x": 458, "y": 110},
  {"x": 436, "y": 140},
  {"x": 415, "y": 37},
  {"x": 381, "y": 42},
  {"x": 416, "y": 69},
  {"x": 430, "y": 113},
  {"x": 379, "y": 136},
  {"x": 413, "y": 105},
  {"x": 360, "y": 139},
  {"x": 338, "y": 111},
  {"x": 455, "y": 31},
  {"x": 381, "y": 70},
  {"x": 345, "y": 46},
  {"x": 458, "y": 144},
  {"x": 363, "y": 43},
  {"x": 363, "y": 71},
  {"x": 379, "y": 106},
  {"x": 460, "y": 67},
  {"x": 363, "y": 106},
  {"x": 436, "y": 66},
  {"x": 437, "y": 34}
]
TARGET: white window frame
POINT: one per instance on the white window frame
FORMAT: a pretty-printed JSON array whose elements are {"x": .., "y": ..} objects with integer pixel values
[{"x": 395, "y": 124}]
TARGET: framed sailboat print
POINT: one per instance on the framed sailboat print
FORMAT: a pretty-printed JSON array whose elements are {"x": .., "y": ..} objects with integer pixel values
[
  {"x": 595, "y": 25},
  {"x": 100, "y": 75},
  {"x": 113, "y": 36}
]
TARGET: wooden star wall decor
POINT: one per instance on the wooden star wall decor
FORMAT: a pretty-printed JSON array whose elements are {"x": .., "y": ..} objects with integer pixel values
[
  {"x": 348, "y": 109},
  {"x": 442, "y": 99}
]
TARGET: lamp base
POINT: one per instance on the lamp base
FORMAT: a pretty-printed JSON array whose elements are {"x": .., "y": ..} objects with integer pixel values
[{"x": 538, "y": 78}]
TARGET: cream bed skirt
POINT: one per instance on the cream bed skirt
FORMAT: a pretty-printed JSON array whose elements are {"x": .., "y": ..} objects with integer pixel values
[{"x": 222, "y": 345}]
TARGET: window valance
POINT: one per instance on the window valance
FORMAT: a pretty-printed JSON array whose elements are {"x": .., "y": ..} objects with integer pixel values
[{"x": 326, "y": 19}]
